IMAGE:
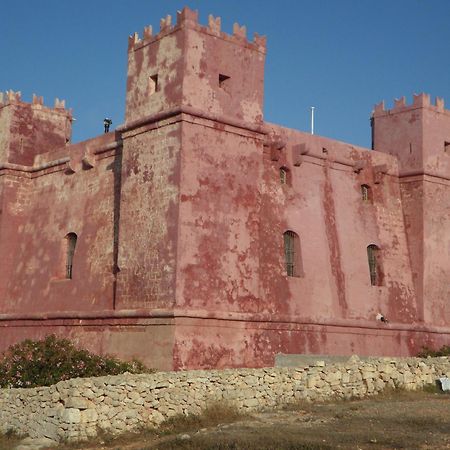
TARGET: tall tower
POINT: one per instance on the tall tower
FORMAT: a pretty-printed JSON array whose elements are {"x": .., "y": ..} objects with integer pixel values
[
  {"x": 194, "y": 66},
  {"x": 419, "y": 135},
  {"x": 185, "y": 86}
]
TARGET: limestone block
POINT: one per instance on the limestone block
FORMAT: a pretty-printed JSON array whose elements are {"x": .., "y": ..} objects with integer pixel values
[
  {"x": 408, "y": 377},
  {"x": 345, "y": 378},
  {"x": 386, "y": 368},
  {"x": 134, "y": 395},
  {"x": 91, "y": 431},
  {"x": 104, "y": 424},
  {"x": 89, "y": 415},
  {"x": 79, "y": 403},
  {"x": 50, "y": 431},
  {"x": 333, "y": 376},
  {"x": 128, "y": 414},
  {"x": 117, "y": 426},
  {"x": 367, "y": 375},
  {"x": 251, "y": 403},
  {"x": 70, "y": 415},
  {"x": 89, "y": 393},
  {"x": 52, "y": 412}
]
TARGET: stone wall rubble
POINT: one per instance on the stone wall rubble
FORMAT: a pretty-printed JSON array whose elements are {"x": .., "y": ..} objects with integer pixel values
[{"x": 77, "y": 409}]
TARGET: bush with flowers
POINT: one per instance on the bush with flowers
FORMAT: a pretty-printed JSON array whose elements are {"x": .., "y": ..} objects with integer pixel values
[{"x": 42, "y": 363}]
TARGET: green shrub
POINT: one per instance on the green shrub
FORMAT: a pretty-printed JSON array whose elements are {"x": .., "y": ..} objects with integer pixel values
[
  {"x": 42, "y": 363},
  {"x": 443, "y": 351}
]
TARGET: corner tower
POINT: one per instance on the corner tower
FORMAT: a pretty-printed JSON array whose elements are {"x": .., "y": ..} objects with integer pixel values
[
  {"x": 192, "y": 135},
  {"x": 419, "y": 136},
  {"x": 28, "y": 129},
  {"x": 198, "y": 67}
]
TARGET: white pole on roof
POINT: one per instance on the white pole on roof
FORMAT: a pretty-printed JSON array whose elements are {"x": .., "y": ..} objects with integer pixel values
[{"x": 312, "y": 119}]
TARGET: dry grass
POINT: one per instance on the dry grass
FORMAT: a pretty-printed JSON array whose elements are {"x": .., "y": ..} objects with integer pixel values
[
  {"x": 213, "y": 415},
  {"x": 394, "y": 420},
  {"x": 9, "y": 440}
]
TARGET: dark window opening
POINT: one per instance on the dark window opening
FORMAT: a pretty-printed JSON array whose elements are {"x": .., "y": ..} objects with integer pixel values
[
  {"x": 366, "y": 193},
  {"x": 374, "y": 259},
  {"x": 153, "y": 84},
  {"x": 285, "y": 176},
  {"x": 446, "y": 146},
  {"x": 71, "y": 244},
  {"x": 292, "y": 254},
  {"x": 223, "y": 80}
]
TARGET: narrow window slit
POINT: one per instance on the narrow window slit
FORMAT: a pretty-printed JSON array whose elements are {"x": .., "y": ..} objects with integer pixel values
[
  {"x": 292, "y": 254},
  {"x": 285, "y": 176},
  {"x": 71, "y": 244},
  {"x": 374, "y": 260},
  {"x": 366, "y": 193},
  {"x": 153, "y": 84}
]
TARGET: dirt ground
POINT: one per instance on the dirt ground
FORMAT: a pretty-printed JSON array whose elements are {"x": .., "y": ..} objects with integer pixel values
[{"x": 398, "y": 420}]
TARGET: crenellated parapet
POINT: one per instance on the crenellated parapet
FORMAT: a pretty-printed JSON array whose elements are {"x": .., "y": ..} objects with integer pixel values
[
  {"x": 37, "y": 102},
  {"x": 421, "y": 100},
  {"x": 10, "y": 97},
  {"x": 416, "y": 133},
  {"x": 188, "y": 18}
]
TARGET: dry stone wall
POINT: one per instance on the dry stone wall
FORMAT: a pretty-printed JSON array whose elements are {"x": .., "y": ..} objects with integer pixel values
[{"x": 76, "y": 409}]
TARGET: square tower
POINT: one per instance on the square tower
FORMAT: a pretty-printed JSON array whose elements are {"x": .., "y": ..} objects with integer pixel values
[
  {"x": 29, "y": 129},
  {"x": 193, "y": 66},
  {"x": 419, "y": 136}
]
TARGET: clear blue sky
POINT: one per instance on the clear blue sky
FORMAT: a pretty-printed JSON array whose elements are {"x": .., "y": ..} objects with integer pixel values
[{"x": 341, "y": 56}]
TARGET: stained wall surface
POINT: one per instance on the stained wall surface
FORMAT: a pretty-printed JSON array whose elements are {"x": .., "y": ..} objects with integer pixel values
[{"x": 180, "y": 216}]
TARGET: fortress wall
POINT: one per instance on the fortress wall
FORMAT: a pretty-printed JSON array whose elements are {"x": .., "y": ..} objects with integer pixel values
[
  {"x": 41, "y": 207},
  {"x": 324, "y": 206}
]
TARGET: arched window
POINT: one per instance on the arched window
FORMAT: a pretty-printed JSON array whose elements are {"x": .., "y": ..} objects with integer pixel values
[
  {"x": 285, "y": 176},
  {"x": 292, "y": 254},
  {"x": 71, "y": 244},
  {"x": 374, "y": 259},
  {"x": 366, "y": 193}
]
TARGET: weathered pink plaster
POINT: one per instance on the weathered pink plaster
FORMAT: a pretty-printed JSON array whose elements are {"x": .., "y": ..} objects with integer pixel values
[{"x": 180, "y": 215}]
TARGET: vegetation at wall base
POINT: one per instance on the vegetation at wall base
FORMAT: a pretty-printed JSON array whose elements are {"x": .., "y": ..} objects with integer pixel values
[
  {"x": 426, "y": 352},
  {"x": 48, "y": 361}
]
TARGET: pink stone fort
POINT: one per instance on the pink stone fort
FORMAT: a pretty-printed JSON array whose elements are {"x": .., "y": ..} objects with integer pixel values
[{"x": 196, "y": 235}]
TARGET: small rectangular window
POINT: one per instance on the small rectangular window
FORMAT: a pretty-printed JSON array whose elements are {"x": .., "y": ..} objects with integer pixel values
[
  {"x": 447, "y": 146},
  {"x": 366, "y": 193},
  {"x": 153, "y": 84},
  {"x": 223, "y": 80}
]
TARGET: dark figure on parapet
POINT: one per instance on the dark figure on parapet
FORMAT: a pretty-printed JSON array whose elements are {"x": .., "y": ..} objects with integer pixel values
[{"x": 107, "y": 123}]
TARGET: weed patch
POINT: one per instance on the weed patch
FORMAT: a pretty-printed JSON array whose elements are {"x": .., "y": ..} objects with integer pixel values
[
  {"x": 9, "y": 439},
  {"x": 214, "y": 414},
  {"x": 428, "y": 352}
]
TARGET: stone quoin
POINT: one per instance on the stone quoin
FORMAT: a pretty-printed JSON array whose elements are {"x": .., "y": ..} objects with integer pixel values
[{"x": 197, "y": 235}]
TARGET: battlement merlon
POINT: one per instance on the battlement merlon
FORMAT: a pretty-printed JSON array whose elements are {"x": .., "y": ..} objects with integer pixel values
[
  {"x": 421, "y": 100},
  {"x": 188, "y": 18}
]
